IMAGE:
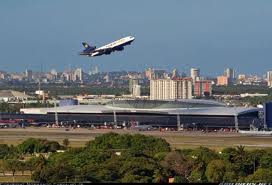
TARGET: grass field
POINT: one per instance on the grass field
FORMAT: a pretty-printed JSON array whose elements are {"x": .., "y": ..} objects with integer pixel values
[
  {"x": 16, "y": 178},
  {"x": 78, "y": 137}
]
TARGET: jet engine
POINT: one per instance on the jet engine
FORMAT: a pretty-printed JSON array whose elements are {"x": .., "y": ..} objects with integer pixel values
[{"x": 120, "y": 48}]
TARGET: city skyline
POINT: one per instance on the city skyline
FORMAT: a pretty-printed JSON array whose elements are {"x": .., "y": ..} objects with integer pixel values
[
  {"x": 78, "y": 75},
  {"x": 189, "y": 36},
  {"x": 96, "y": 69}
]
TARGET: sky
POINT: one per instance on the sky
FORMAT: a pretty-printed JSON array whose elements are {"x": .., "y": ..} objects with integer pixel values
[{"x": 208, "y": 34}]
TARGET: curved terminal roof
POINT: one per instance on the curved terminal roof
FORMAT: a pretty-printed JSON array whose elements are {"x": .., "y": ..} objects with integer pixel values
[
  {"x": 163, "y": 104},
  {"x": 181, "y": 107}
]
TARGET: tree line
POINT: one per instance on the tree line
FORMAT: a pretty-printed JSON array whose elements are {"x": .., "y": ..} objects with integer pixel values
[
  {"x": 134, "y": 158},
  {"x": 239, "y": 89},
  {"x": 15, "y": 108},
  {"x": 73, "y": 89}
]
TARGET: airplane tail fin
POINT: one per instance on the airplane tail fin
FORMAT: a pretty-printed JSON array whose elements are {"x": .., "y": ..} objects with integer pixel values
[{"x": 87, "y": 46}]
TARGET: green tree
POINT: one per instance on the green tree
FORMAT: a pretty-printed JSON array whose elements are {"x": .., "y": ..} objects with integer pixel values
[
  {"x": 33, "y": 145},
  {"x": 254, "y": 159},
  {"x": 134, "y": 178},
  {"x": 244, "y": 162},
  {"x": 61, "y": 171},
  {"x": 261, "y": 175},
  {"x": 215, "y": 171},
  {"x": 12, "y": 165},
  {"x": 51, "y": 146},
  {"x": 141, "y": 169},
  {"x": 228, "y": 154},
  {"x": 201, "y": 156},
  {"x": 177, "y": 164},
  {"x": 266, "y": 160},
  {"x": 137, "y": 144},
  {"x": 4, "y": 151},
  {"x": 180, "y": 179},
  {"x": 196, "y": 176},
  {"x": 160, "y": 175},
  {"x": 28, "y": 146},
  {"x": 21, "y": 166},
  {"x": 89, "y": 173},
  {"x": 32, "y": 164},
  {"x": 37, "y": 164},
  {"x": 2, "y": 166},
  {"x": 108, "y": 171},
  {"x": 160, "y": 156},
  {"x": 230, "y": 176}
]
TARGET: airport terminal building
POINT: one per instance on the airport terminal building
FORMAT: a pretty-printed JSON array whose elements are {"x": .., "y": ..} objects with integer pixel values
[{"x": 184, "y": 113}]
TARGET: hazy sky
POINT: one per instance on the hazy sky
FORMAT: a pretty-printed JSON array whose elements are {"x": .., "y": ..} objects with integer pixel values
[{"x": 209, "y": 34}]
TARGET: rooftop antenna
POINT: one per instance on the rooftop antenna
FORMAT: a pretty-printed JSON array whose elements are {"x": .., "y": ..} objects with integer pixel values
[
  {"x": 39, "y": 86},
  {"x": 41, "y": 68}
]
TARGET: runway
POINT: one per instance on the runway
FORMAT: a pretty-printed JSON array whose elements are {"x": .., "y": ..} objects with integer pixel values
[{"x": 177, "y": 139}]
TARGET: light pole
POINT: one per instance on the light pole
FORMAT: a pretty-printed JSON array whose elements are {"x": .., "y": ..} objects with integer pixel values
[
  {"x": 114, "y": 114},
  {"x": 56, "y": 113},
  {"x": 236, "y": 119},
  {"x": 178, "y": 121}
]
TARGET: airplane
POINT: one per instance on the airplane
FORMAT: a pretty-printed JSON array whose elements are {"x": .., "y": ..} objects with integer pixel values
[{"x": 92, "y": 51}]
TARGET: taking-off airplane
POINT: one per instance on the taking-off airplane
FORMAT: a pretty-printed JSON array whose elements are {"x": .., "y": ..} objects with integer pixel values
[{"x": 92, "y": 51}]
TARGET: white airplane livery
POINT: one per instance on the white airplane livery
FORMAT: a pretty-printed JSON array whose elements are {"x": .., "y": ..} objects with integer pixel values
[{"x": 92, "y": 51}]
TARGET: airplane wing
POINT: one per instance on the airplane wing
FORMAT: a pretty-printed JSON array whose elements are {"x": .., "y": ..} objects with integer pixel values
[
  {"x": 111, "y": 49},
  {"x": 118, "y": 48},
  {"x": 106, "y": 50}
]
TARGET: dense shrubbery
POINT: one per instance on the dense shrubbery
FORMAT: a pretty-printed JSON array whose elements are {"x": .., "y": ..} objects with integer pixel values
[{"x": 136, "y": 158}]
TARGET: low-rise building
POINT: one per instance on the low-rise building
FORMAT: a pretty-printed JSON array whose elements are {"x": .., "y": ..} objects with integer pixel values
[{"x": 10, "y": 95}]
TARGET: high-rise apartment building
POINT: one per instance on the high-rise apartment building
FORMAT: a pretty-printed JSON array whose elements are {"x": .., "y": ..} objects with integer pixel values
[
  {"x": 132, "y": 82},
  {"x": 195, "y": 74},
  {"x": 78, "y": 75},
  {"x": 2, "y": 76},
  {"x": 269, "y": 78},
  {"x": 230, "y": 73},
  {"x": 203, "y": 88},
  {"x": 165, "y": 89},
  {"x": 175, "y": 73},
  {"x": 136, "y": 90},
  {"x": 148, "y": 73},
  {"x": 28, "y": 74},
  {"x": 155, "y": 73}
]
